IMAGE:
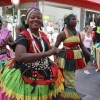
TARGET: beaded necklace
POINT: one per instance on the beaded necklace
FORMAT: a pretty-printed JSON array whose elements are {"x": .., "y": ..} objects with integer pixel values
[{"x": 34, "y": 43}]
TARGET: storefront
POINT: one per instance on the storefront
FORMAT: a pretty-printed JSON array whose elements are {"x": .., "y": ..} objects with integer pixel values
[
  {"x": 92, "y": 16},
  {"x": 53, "y": 10}
]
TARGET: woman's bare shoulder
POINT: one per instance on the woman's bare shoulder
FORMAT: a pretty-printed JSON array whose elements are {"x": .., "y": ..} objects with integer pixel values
[{"x": 62, "y": 35}]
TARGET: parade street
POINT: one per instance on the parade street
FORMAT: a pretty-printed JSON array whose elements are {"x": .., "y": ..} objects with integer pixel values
[{"x": 88, "y": 86}]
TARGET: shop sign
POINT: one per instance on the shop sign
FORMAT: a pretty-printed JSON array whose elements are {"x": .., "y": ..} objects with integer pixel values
[
  {"x": 15, "y": 2},
  {"x": 45, "y": 17}
]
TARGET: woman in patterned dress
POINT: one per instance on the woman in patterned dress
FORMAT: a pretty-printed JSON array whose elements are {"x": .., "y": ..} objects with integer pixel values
[{"x": 71, "y": 59}]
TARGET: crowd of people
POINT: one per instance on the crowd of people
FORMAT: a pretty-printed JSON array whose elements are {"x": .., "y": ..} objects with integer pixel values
[{"x": 29, "y": 73}]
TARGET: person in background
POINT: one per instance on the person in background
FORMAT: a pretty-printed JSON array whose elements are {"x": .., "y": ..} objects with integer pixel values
[
  {"x": 88, "y": 43},
  {"x": 7, "y": 24},
  {"x": 92, "y": 24},
  {"x": 31, "y": 75},
  {"x": 21, "y": 27},
  {"x": 96, "y": 47},
  {"x": 71, "y": 59},
  {"x": 50, "y": 31},
  {"x": 5, "y": 39}
]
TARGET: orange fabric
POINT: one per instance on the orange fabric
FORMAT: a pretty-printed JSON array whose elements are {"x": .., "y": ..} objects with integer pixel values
[
  {"x": 59, "y": 81},
  {"x": 12, "y": 63}
]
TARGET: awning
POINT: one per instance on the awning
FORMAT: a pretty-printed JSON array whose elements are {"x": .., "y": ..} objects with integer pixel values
[
  {"x": 90, "y": 4},
  {"x": 96, "y": 1},
  {"x": 8, "y": 2}
]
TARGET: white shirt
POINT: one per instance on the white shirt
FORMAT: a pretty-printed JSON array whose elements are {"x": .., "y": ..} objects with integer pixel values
[
  {"x": 87, "y": 41},
  {"x": 50, "y": 29},
  {"x": 9, "y": 26}
]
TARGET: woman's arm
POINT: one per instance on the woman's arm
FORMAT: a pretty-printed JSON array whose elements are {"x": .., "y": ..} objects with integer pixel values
[
  {"x": 82, "y": 36},
  {"x": 92, "y": 42},
  {"x": 11, "y": 41},
  {"x": 22, "y": 56},
  {"x": 61, "y": 37}
]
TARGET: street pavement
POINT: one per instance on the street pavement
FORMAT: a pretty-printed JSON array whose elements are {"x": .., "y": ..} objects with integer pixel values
[{"x": 88, "y": 86}]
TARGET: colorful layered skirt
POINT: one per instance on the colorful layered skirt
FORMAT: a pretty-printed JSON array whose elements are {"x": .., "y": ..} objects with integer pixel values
[
  {"x": 12, "y": 86},
  {"x": 70, "y": 61}
]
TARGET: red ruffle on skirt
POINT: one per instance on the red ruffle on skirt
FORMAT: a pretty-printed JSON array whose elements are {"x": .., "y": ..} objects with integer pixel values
[
  {"x": 69, "y": 54},
  {"x": 80, "y": 63}
]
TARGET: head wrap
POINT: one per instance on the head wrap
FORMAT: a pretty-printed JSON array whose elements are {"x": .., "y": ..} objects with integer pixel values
[
  {"x": 67, "y": 17},
  {"x": 22, "y": 17},
  {"x": 29, "y": 12}
]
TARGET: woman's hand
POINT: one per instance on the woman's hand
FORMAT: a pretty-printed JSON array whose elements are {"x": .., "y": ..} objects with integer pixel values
[
  {"x": 54, "y": 51},
  {"x": 6, "y": 41},
  {"x": 92, "y": 58},
  {"x": 57, "y": 51},
  {"x": 64, "y": 48}
]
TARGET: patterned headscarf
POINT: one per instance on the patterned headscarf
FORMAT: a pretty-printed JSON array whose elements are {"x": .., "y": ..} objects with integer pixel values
[
  {"x": 29, "y": 12},
  {"x": 67, "y": 17}
]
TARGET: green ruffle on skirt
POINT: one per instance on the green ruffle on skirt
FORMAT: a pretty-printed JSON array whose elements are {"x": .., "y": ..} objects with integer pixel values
[
  {"x": 14, "y": 86},
  {"x": 62, "y": 54},
  {"x": 70, "y": 94},
  {"x": 2, "y": 63},
  {"x": 67, "y": 64},
  {"x": 70, "y": 65}
]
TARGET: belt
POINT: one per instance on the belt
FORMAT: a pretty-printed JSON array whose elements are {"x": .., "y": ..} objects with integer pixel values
[{"x": 75, "y": 48}]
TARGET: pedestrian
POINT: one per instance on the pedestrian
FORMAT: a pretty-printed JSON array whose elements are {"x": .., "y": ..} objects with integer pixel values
[
  {"x": 88, "y": 43},
  {"x": 5, "y": 39},
  {"x": 21, "y": 27},
  {"x": 71, "y": 59},
  {"x": 96, "y": 46},
  {"x": 31, "y": 75},
  {"x": 50, "y": 31}
]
